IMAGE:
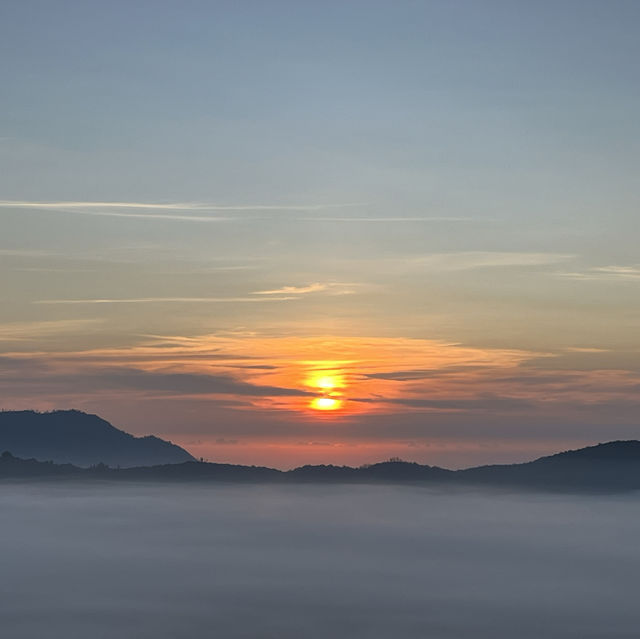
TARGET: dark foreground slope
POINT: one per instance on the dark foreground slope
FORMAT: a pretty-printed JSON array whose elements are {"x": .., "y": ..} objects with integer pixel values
[
  {"x": 610, "y": 467},
  {"x": 78, "y": 438}
]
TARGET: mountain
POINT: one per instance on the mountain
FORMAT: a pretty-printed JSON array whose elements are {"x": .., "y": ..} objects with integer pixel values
[
  {"x": 15, "y": 468},
  {"x": 610, "y": 467},
  {"x": 383, "y": 471},
  {"x": 81, "y": 439},
  {"x": 193, "y": 471},
  {"x": 12, "y": 467},
  {"x": 73, "y": 440}
]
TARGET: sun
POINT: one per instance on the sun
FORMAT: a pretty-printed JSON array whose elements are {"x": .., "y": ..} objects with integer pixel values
[
  {"x": 326, "y": 382},
  {"x": 329, "y": 385},
  {"x": 325, "y": 403}
]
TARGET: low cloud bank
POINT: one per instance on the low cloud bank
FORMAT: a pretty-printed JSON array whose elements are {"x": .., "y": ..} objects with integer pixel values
[{"x": 358, "y": 561}]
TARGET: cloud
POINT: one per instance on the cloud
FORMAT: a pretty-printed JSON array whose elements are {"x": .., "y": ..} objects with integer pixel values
[
  {"x": 295, "y": 290},
  {"x": 163, "y": 300},
  {"x": 466, "y": 260},
  {"x": 174, "y": 206},
  {"x": 175, "y": 210},
  {"x": 123, "y": 378},
  {"x": 259, "y": 367},
  {"x": 194, "y": 211},
  {"x": 336, "y": 288},
  {"x": 421, "y": 373},
  {"x": 391, "y": 220},
  {"x": 605, "y": 273},
  {"x": 321, "y": 443},
  {"x": 317, "y": 561},
  {"x": 484, "y": 402},
  {"x": 12, "y": 366},
  {"x": 224, "y": 374},
  {"x": 191, "y": 383},
  {"x": 28, "y": 253},
  {"x": 22, "y": 331},
  {"x": 65, "y": 205}
]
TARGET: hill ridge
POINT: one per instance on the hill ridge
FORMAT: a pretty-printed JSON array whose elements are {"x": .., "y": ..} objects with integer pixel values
[
  {"x": 83, "y": 439},
  {"x": 555, "y": 472}
]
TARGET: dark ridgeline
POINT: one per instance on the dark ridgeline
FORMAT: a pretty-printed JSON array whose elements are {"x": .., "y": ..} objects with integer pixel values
[
  {"x": 74, "y": 437},
  {"x": 611, "y": 466},
  {"x": 392, "y": 470},
  {"x": 15, "y": 468},
  {"x": 614, "y": 466}
]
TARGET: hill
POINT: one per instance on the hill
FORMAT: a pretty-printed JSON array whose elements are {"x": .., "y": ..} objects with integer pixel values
[
  {"x": 610, "y": 467},
  {"x": 74, "y": 437}
]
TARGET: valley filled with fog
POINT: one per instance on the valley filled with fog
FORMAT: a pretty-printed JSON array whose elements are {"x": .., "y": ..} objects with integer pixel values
[{"x": 251, "y": 561}]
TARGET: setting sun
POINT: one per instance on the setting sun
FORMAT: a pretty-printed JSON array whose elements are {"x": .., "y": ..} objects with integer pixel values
[
  {"x": 326, "y": 380},
  {"x": 325, "y": 403},
  {"x": 329, "y": 383}
]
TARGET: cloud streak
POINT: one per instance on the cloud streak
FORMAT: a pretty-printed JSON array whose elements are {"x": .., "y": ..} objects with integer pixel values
[
  {"x": 173, "y": 206},
  {"x": 168, "y": 300},
  {"x": 296, "y": 290},
  {"x": 606, "y": 273},
  {"x": 190, "y": 384},
  {"x": 170, "y": 211},
  {"x": 334, "y": 288},
  {"x": 468, "y": 260},
  {"x": 25, "y": 331},
  {"x": 395, "y": 219},
  {"x": 194, "y": 211}
]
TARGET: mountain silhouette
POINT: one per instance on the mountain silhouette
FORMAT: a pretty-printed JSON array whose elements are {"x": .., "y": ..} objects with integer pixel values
[
  {"x": 393, "y": 470},
  {"x": 74, "y": 437},
  {"x": 73, "y": 444},
  {"x": 610, "y": 467}
]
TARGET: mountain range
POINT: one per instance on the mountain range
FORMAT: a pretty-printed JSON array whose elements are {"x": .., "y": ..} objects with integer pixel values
[
  {"x": 612, "y": 466},
  {"x": 74, "y": 437}
]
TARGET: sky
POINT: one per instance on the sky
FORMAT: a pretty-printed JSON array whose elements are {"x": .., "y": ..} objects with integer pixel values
[{"x": 297, "y": 232}]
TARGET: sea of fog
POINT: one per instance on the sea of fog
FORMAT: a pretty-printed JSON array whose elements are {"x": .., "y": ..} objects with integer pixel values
[{"x": 189, "y": 561}]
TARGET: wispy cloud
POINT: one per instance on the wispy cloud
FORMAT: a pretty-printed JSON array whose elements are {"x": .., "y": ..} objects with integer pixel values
[
  {"x": 335, "y": 288},
  {"x": 487, "y": 402},
  {"x": 466, "y": 260},
  {"x": 28, "y": 253},
  {"x": 391, "y": 220},
  {"x": 174, "y": 206},
  {"x": 25, "y": 331},
  {"x": 129, "y": 379},
  {"x": 162, "y": 300},
  {"x": 196, "y": 211},
  {"x": 179, "y": 211},
  {"x": 190, "y": 383},
  {"x": 64, "y": 205},
  {"x": 610, "y": 273}
]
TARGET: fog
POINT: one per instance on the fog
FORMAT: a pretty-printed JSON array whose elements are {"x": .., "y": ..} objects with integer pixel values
[{"x": 185, "y": 561}]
